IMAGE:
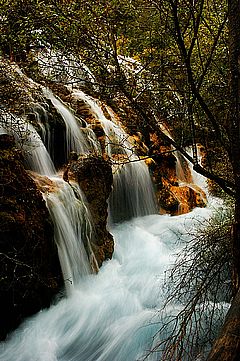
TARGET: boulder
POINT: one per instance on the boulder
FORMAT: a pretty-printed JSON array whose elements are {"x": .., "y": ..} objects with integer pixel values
[{"x": 94, "y": 176}]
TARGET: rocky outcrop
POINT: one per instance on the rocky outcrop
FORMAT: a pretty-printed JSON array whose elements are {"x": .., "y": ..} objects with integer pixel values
[
  {"x": 94, "y": 175},
  {"x": 29, "y": 266},
  {"x": 175, "y": 191}
]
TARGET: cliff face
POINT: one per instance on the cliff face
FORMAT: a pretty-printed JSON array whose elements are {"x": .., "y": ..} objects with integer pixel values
[{"x": 29, "y": 266}]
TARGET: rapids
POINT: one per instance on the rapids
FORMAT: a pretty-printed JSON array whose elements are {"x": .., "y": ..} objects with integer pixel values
[{"x": 113, "y": 315}]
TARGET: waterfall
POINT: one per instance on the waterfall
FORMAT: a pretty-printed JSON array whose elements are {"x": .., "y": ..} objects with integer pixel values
[
  {"x": 37, "y": 158},
  {"x": 73, "y": 227},
  {"x": 66, "y": 203},
  {"x": 72, "y": 230},
  {"x": 183, "y": 169},
  {"x": 133, "y": 193},
  {"x": 41, "y": 113},
  {"x": 114, "y": 315},
  {"x": 28, "y": 139},
  {"x": 198, "y": 179},
  {"x": 75, "y": 139}
]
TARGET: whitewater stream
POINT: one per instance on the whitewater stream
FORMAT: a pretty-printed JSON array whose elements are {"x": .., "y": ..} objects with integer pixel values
[
  {"x": 110, "y": 316},
  {"x": 113, "y": 315}
]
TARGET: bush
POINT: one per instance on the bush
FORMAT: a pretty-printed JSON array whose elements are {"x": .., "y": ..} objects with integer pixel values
[{"x": 199, "y": 288}]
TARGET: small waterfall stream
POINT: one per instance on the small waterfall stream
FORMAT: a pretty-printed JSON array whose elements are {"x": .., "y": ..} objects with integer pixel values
[
  {"x": 36, "y": 155},
  {"x": 75, "y": 140},
  {"x": 38, "y": 158},
  {"x": 112, "y": 315},
  {"x": 133, "y": 193},
  {"x": 70, "y": 216}
]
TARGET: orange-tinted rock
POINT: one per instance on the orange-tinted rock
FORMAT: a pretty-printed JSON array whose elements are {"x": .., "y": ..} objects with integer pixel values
[{"x": 173, "y": 195}]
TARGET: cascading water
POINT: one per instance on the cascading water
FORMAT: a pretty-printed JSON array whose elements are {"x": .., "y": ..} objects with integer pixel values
[
  {"x": 75, "y": 140},
  {"x": 40, "y": 112},
  {"x": 65, "y": 202},
  {"x": 69, "y": 214},
  {"x": 133, "y": 193},
  {"x": 112, "y": 315},
  {"x": 38, "y": 158},
  {"x": 36, "y": 154},
  {"x": 198, "y": 179}
]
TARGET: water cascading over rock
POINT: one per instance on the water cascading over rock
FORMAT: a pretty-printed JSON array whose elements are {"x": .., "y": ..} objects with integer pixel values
[
  {"x": 176, "y": 191},
  {"x": 73, "y": 226},
  {"x": 114, "y": 314},
  {"x": 133, "y": 193},
  {"x": 94, "y": 176}
]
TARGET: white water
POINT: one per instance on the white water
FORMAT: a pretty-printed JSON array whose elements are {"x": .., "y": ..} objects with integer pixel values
[
  {"x": 27, "y": 138},
  {"x": 111, "y": 316},
  {"x": 70, "y": 217},
  {"x": 37, "y": 156},
  {"x": 66, "y": 203},
  {"x": 198, "y": 179},
  {"x": 75, "y": 139},
  {"x": 41, "y": 113}
]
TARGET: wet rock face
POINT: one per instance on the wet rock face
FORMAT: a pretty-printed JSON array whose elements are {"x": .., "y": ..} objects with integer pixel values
[
  {"x": 29, "y": 266},
  {"x": 94, "y": 175}
]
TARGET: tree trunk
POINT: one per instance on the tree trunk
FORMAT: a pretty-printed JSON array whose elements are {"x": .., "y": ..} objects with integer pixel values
[
  {"x": 227, "y": 345},
  {"x": 234, "y": 126}
]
